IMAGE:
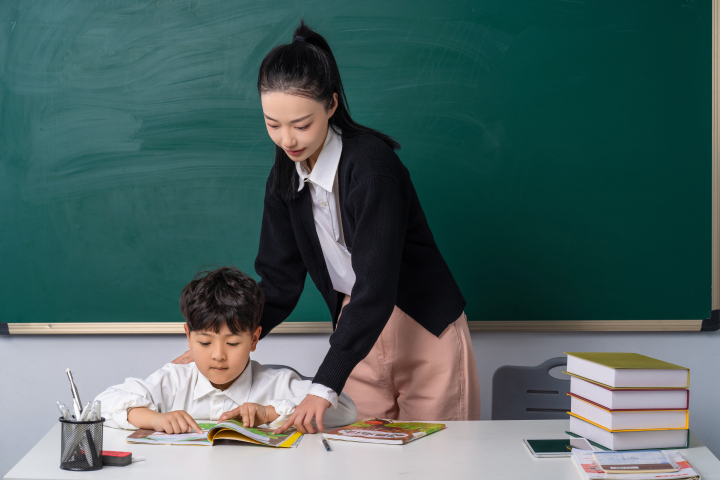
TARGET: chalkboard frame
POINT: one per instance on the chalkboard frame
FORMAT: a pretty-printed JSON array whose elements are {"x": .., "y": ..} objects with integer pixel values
[
  {"x": 709, "y": 324},
  {"x": 142, "y": 328}
]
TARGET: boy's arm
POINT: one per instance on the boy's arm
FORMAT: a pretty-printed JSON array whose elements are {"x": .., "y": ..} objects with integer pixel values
[
  {"x": 178, "y": 421},
  {"x": 156, "y": 393},
  {"x": 252, "y": 414}
]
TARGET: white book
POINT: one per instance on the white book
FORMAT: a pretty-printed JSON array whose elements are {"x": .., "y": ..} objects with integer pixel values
[
  {"x": 589, "y": 469},
  {"x": 629, "y": 399},
  {"x": 634, "y": 440},
  {"x": 627, "y": 370},
  {"x": 629, "y": 419}
]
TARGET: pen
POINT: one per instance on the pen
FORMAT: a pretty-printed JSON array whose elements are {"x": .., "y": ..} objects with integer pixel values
[
  {"x": 96, "y": 410},
  {"x": 327, "y": 445},
  {"x": 64, "y": 411},
  {"x": 90, "y": 452},
  {"x": 72, "y": 443},
  {"x": 76, "y": 396},
  {"x": 86, "y": 413}
]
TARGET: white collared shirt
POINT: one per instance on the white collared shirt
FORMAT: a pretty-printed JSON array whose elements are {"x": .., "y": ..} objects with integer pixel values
[
  {"x": 183, "y": 387},
  {"x": 323, "y": 182}
]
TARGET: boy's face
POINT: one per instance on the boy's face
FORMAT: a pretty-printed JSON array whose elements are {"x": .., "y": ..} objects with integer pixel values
[{"x": 223, "y": 356}]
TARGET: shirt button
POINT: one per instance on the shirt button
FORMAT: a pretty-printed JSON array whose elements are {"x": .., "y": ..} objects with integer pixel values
[{"x": 324, "y": 203}]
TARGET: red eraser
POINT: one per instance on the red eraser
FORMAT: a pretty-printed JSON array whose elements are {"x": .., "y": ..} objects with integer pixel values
[{"x": 116, "y": 459}]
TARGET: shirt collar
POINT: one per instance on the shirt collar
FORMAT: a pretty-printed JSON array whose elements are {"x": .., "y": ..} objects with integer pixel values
[
  {"x": 238, "y": 392},
  {"x": 323, "y": 173}
]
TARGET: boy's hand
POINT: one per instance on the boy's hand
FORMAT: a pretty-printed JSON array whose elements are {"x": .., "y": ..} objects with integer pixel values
[
  {"x": 312, "y": 407},
  {"x": 178, "y": 421},
  {"x": 251, "y": 414}
]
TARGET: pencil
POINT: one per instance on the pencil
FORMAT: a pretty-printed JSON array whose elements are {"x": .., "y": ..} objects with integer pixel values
[{"x": 327, "y": 445}]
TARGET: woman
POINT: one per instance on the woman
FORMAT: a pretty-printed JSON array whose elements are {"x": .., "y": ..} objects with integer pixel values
[{"x": 340, "y": 206}]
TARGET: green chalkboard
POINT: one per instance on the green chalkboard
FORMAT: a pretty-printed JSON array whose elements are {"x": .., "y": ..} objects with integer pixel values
[{"x": 561, "y": 150}]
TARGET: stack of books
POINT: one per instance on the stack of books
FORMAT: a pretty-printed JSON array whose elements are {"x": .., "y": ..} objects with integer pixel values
[{"x": 627, "y": 401}]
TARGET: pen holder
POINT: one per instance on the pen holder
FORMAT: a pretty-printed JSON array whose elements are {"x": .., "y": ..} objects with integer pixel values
[{"x": 81, "y": 445}]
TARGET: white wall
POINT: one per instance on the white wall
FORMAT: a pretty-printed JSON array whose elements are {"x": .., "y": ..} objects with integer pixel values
[{"x": 32, "y": 370}]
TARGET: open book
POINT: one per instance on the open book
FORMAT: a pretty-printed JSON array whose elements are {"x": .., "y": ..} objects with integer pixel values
[
  {"x": 227, "y": 430},
  {"x": 378, "y": 430}
]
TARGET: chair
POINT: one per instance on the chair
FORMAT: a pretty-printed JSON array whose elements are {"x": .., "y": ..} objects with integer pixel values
[
  {"x": 530, "y": 393},
  {"x": 278, "y": 367}
]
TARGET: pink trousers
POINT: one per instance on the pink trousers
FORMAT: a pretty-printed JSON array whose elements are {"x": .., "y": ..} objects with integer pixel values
[{"x": 410, "y": 374}]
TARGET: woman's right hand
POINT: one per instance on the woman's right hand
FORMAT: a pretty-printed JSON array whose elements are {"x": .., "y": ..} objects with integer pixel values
[{"x": 186, "y": 357}]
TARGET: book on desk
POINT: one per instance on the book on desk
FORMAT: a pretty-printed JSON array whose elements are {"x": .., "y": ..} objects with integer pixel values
[{"x": 627, "y": 401}]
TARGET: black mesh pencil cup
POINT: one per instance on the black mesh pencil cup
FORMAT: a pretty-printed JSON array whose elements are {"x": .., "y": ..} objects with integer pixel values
[{"x": 81, "y": 445}]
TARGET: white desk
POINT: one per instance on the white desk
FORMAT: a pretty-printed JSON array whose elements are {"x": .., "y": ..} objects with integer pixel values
[{"x": 460, "y": 451}]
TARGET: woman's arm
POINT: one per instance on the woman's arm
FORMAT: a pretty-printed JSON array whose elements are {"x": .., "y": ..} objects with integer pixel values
[
  {"x": 380, "y": 213},
  {"x": 278, "y": 263}
]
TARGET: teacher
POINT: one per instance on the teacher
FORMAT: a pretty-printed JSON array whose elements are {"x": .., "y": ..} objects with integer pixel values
[{"x": 340, "y": 205}]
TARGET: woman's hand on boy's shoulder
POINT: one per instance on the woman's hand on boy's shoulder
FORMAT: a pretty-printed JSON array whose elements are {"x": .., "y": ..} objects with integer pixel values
[
  {"x": 251, "y": 414},
  {"x": 186, "y": 357}
]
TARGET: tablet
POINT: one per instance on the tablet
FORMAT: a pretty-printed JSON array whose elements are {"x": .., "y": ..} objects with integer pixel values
[{"x": 549, "y": 447}]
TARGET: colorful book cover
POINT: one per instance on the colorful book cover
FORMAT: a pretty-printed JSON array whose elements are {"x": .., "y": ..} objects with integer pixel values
[
  {"x": 589, "y": 468},
  {"x": 378, "y": 430},
  {"x": 636, "y": 461},
  {"x": 227, "y": 430}
]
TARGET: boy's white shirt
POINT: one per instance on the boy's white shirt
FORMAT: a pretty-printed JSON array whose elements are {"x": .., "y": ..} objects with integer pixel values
[{"x": 183, "y": 387}]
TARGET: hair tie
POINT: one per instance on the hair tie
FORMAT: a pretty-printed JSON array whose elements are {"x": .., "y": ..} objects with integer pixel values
[{"x": 299, "y": 38}]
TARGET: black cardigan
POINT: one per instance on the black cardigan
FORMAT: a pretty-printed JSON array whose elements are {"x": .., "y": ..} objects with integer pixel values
[{"x": 394, "y": 257}]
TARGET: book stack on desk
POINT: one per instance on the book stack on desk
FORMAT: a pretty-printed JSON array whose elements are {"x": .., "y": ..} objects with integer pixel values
[{"x": 627, "y": 401}]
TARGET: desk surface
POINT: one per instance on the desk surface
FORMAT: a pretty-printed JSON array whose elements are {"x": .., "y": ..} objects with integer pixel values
[{"x": 460, "y": 449}]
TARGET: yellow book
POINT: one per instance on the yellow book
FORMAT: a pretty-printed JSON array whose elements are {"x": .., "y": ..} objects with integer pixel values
[
  {"x": 628, "y": 430},
  {"x": 628, "y": 420},
  {"x": 627, "y": 370}
]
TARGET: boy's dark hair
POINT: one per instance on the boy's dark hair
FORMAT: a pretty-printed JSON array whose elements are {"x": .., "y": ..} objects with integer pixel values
[
  {"x": 306, "y": 67},
  {"x": 225, "y": 296}
]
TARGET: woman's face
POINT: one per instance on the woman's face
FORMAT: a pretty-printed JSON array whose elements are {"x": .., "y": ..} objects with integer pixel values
[{"x": 298, "y": 125}]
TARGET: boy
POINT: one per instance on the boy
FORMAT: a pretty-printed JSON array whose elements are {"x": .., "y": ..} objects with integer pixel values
[{"x": 222, "y": 310}]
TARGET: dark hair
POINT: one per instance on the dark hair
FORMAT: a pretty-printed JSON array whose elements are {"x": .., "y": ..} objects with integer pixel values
[
  {"x": 225, "y": 296},
  {"x": 306, "y": 67}
]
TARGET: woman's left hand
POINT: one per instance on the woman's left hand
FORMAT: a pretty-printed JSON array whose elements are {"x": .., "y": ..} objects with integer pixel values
[
  {"x": 186, "y": 357},
  {"x": 312, "y": 407}
]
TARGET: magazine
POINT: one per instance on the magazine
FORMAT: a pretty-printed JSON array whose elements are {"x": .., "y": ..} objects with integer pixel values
[
  {"x": 378, "y": 430},
  {"x": 589, "y": 468},
  {"x": 227, "y": 430},
  {"x": 638, "y": 461}
]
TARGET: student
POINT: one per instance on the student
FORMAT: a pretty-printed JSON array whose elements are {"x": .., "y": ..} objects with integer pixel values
[
  {"x": 222, "y": 310},
  {"x": 340, "y": 205}
]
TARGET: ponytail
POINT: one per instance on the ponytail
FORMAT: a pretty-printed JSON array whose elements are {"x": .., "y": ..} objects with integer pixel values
[{"x": 306, "y": 67}]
